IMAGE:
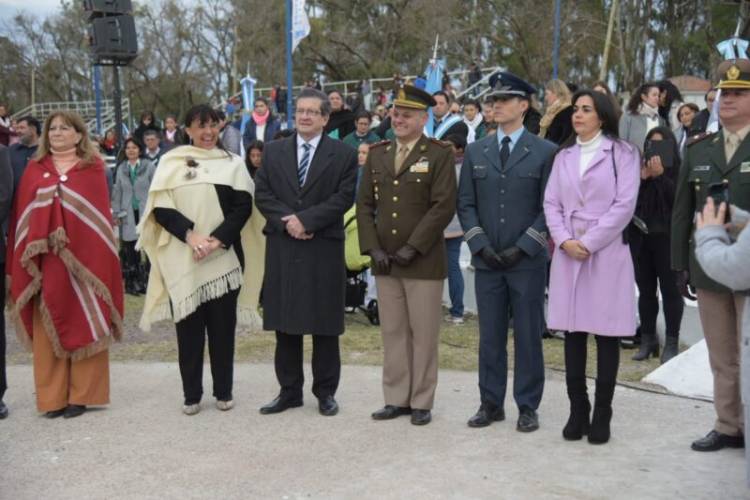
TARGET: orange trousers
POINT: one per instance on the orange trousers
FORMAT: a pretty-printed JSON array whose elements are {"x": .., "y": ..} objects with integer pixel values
[{"x": 60, "y": 382}]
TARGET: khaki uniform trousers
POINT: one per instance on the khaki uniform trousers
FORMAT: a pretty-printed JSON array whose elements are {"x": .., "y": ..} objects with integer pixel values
[
  {"x": 721, "y": 316},
  {"x": 410, "y": 315},
  {"x": 62, "y": 382}
]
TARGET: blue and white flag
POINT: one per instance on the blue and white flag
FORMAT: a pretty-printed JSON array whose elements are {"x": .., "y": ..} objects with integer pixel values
[
  {"x": 732, "y": 48},
  {"x": 300, "y": 23},
  {"x": 434, "y": 82},
  {"x": 248, "y": 100}
]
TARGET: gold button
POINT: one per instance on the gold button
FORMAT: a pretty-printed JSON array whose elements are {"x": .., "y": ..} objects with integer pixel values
[
  {"x": 395, "y": 198},
  {"x": 376, "y": 189},
  {"x": 393, "y": 231},
  {"x": 394, "y": 215},
  {"x": 419, "y": 180},
  {"x": 395, "y": 183}
]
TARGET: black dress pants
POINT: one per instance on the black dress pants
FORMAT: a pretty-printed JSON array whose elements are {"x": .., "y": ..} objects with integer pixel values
[
  {"x": 326, "y": 365},
  {"x": 218, "y": 319},
  {"x": 3, "y": 379},
  {"x": 652, "y": 266}
]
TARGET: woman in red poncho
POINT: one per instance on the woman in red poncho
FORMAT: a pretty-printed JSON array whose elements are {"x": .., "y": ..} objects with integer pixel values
[{"x": 66, "y": 292}]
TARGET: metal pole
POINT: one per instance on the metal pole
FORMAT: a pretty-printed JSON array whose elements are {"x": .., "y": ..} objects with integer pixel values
[
  {"x": 98, "y": 98},
  {"x": 33, "y": 90},
  {"x": 608, "y": 41},
  {"x": 289, "y": 87},
  {"x": 117, "y": 97},
  {"x": 556, "y": 42}
]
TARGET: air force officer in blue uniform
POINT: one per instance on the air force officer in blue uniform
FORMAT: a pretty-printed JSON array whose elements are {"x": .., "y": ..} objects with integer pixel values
[{"x": 500, "y": 207}]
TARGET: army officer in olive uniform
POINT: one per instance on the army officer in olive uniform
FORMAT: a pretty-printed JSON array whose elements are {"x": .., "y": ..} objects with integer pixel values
[
  {"x": 715, "y": 160},
  {"x": 406, "y": 199},
  {"x": 500, "y": 207}
]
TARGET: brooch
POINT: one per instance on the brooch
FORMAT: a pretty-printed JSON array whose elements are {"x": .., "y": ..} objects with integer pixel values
[{"x": 192, "y": 166}]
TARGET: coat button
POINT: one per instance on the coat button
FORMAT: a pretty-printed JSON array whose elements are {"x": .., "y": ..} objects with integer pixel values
[
  {"x": 393, "y": 231},
  {"x": 502, "y": 221},
  {"x": 419, "y": 180},
  {"x": 502, "y": 191},
  {"x": 394, "y": 215},
  {"x": 46, "y": 174},
  {"x": 395, "y": 198},
  {"x": 502, "y": 205},
  {"x": 395, "y": 183},
  {"x": 63, "y": 178},
  {"x": 502, "y": 176}
]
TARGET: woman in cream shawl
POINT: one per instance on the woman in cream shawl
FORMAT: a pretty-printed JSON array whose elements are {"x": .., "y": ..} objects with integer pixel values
[{"x": 197, "y": 232}]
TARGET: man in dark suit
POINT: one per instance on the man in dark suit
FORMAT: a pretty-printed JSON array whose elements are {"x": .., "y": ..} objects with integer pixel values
[
  {"x": 6, "y": 197},
  {"x": 445, "y": 123},
  {"x": 304, "y": 188},
  {"x": 500, "y": 207}
]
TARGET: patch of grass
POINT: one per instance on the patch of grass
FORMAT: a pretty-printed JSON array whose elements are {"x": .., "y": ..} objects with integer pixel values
[{"x": 360, "y": 345}]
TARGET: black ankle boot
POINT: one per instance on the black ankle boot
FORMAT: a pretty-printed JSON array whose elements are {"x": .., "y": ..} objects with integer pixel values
[
  {"x": 649, "y": 347},
  {"x": 580, "y": 409},
  {"x": 599, "y": 430},
  {"x": 671, "y": 348}
]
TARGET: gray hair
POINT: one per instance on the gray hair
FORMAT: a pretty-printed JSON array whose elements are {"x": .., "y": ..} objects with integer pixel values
[{"x": 325, "y": 104}]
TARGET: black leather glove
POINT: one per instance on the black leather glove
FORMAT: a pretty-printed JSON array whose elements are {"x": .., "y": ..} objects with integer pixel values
[
  {"x": 683, "y": 285},
  {"x": 405, "y": 255},
  {"x": 381, "y": 263},
  {"x": 510, "y": 257},
  {"x": 491, "y": 258}
]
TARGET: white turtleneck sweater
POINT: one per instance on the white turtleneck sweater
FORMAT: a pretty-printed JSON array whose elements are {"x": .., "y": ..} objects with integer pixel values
[{"x": 588, "y": 150}]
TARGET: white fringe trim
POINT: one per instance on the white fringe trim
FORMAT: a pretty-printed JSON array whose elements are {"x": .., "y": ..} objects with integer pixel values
[{"x": 208, "y": 291}]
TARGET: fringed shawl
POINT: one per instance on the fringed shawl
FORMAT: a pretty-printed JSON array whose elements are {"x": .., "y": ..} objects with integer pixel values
[
  {"x": 177, "y": 284},
  {"x": 62, "y": 253}
]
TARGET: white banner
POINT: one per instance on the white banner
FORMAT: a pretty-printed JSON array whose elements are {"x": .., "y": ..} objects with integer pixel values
[{"x": 300, "y": 23}]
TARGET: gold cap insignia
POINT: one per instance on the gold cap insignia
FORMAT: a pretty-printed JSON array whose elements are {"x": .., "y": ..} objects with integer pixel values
[
  {"x": 402, "y": 94},
  {"x": 733, "y": 73}
]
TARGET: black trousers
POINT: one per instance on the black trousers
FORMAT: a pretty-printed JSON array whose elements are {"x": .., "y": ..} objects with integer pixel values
[
  {"x": 130, "y": 256},
  {"x": 218, "y": 319},
  {"x": 326, "y": 365},
  {"x": 607, "y": 357},
  {"x": 651, "y": 257},
  {"x": 3, "y": 376}
]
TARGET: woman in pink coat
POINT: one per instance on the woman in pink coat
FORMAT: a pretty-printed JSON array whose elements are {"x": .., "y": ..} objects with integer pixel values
[{"x": 589, "y": 201}]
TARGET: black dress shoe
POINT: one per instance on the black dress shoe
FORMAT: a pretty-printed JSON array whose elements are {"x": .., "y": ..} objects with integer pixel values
[
  {"x": 421, "y": 417},
  {"x": 389, "y": 412},
  {"x": 327, "y": 406},
  {"x": 485, "y": 415},
  {"x": 715, "y": 441},
  {"x": 280, "y": 404},
  {"x": 73, "y": 411},
  {"x": 55, "y": 413},
  {"x": 528, "y": 421},
  {"x": 3, "y": 410}
]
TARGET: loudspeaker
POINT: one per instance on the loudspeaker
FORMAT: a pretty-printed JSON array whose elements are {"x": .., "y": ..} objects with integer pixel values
[
  {"x": 113, "y": 40},
  {"x": 97, "y": 8}
]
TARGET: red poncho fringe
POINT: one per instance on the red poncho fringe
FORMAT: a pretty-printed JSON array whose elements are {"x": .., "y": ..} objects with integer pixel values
[{"x": 62, "y": 252}]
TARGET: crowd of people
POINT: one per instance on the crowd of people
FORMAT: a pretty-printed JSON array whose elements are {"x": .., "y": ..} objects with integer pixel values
[{"x": 577, "y": 203}]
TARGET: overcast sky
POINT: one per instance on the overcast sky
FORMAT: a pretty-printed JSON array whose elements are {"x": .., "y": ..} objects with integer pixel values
[{"x": 9, "y": 8}]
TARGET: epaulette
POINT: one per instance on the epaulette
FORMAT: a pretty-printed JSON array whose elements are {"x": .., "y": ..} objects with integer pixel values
[
  {"x": 698, "y": 138},
  {"x": 381, "y": 143},
  {"x": 444, "y": 144}
]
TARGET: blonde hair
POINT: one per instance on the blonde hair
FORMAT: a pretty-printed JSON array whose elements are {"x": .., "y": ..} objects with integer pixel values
[
  {"x": 560, "y": 89},
  {"x": 85, "y": 149}
]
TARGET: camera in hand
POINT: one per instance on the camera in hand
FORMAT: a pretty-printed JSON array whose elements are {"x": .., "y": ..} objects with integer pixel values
[
  {"x": 719, "y": 191},
  {"x": 662, "y": 149}
]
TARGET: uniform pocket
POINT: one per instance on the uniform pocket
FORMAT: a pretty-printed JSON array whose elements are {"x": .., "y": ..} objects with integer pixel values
[{"x": 479, "y": 172}]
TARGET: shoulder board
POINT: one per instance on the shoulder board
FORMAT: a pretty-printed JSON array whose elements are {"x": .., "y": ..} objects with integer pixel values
[
  {"x": 698, "y": 138},
  {"x": 378, "y": 144},
  {"x": 444, "y": 144}
]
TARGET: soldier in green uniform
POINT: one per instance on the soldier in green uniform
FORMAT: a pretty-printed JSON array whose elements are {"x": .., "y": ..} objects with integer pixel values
[
  {"x": 406, "y": 198},
  {"x": 710, "y": 162}
]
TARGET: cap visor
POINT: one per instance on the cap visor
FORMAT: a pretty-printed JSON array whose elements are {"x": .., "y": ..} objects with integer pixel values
[{"x": 401, "y": 103}]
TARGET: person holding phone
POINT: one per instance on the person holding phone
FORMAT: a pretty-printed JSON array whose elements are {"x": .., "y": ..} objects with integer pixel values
[
  {"x": 650, "y": 246},
  {"x": 722, "y": 158}
]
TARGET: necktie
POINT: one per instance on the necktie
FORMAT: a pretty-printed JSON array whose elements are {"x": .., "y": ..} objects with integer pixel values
[
  {"x": 303, "y": 164},
  {"x": 403, "y": 152},
  {"x": 731, "y": 144},
  {"x": 505, "y": 151}
]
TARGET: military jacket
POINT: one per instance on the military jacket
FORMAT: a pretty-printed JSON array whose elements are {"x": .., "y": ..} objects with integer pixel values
[
  {"x": 502, "y": 206},
  {"x": 410, "y": 207},
  {"x": 705, "y": 163}
]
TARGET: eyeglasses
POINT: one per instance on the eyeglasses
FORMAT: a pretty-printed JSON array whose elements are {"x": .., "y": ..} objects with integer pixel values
[{"x": 308, "y": 112}]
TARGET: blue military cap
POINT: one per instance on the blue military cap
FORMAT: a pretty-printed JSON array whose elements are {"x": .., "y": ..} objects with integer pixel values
[{"x": 506, "y": 85}]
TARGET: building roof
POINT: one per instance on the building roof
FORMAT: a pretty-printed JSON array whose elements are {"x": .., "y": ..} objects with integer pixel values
[{"x": 688, "y": 83}]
